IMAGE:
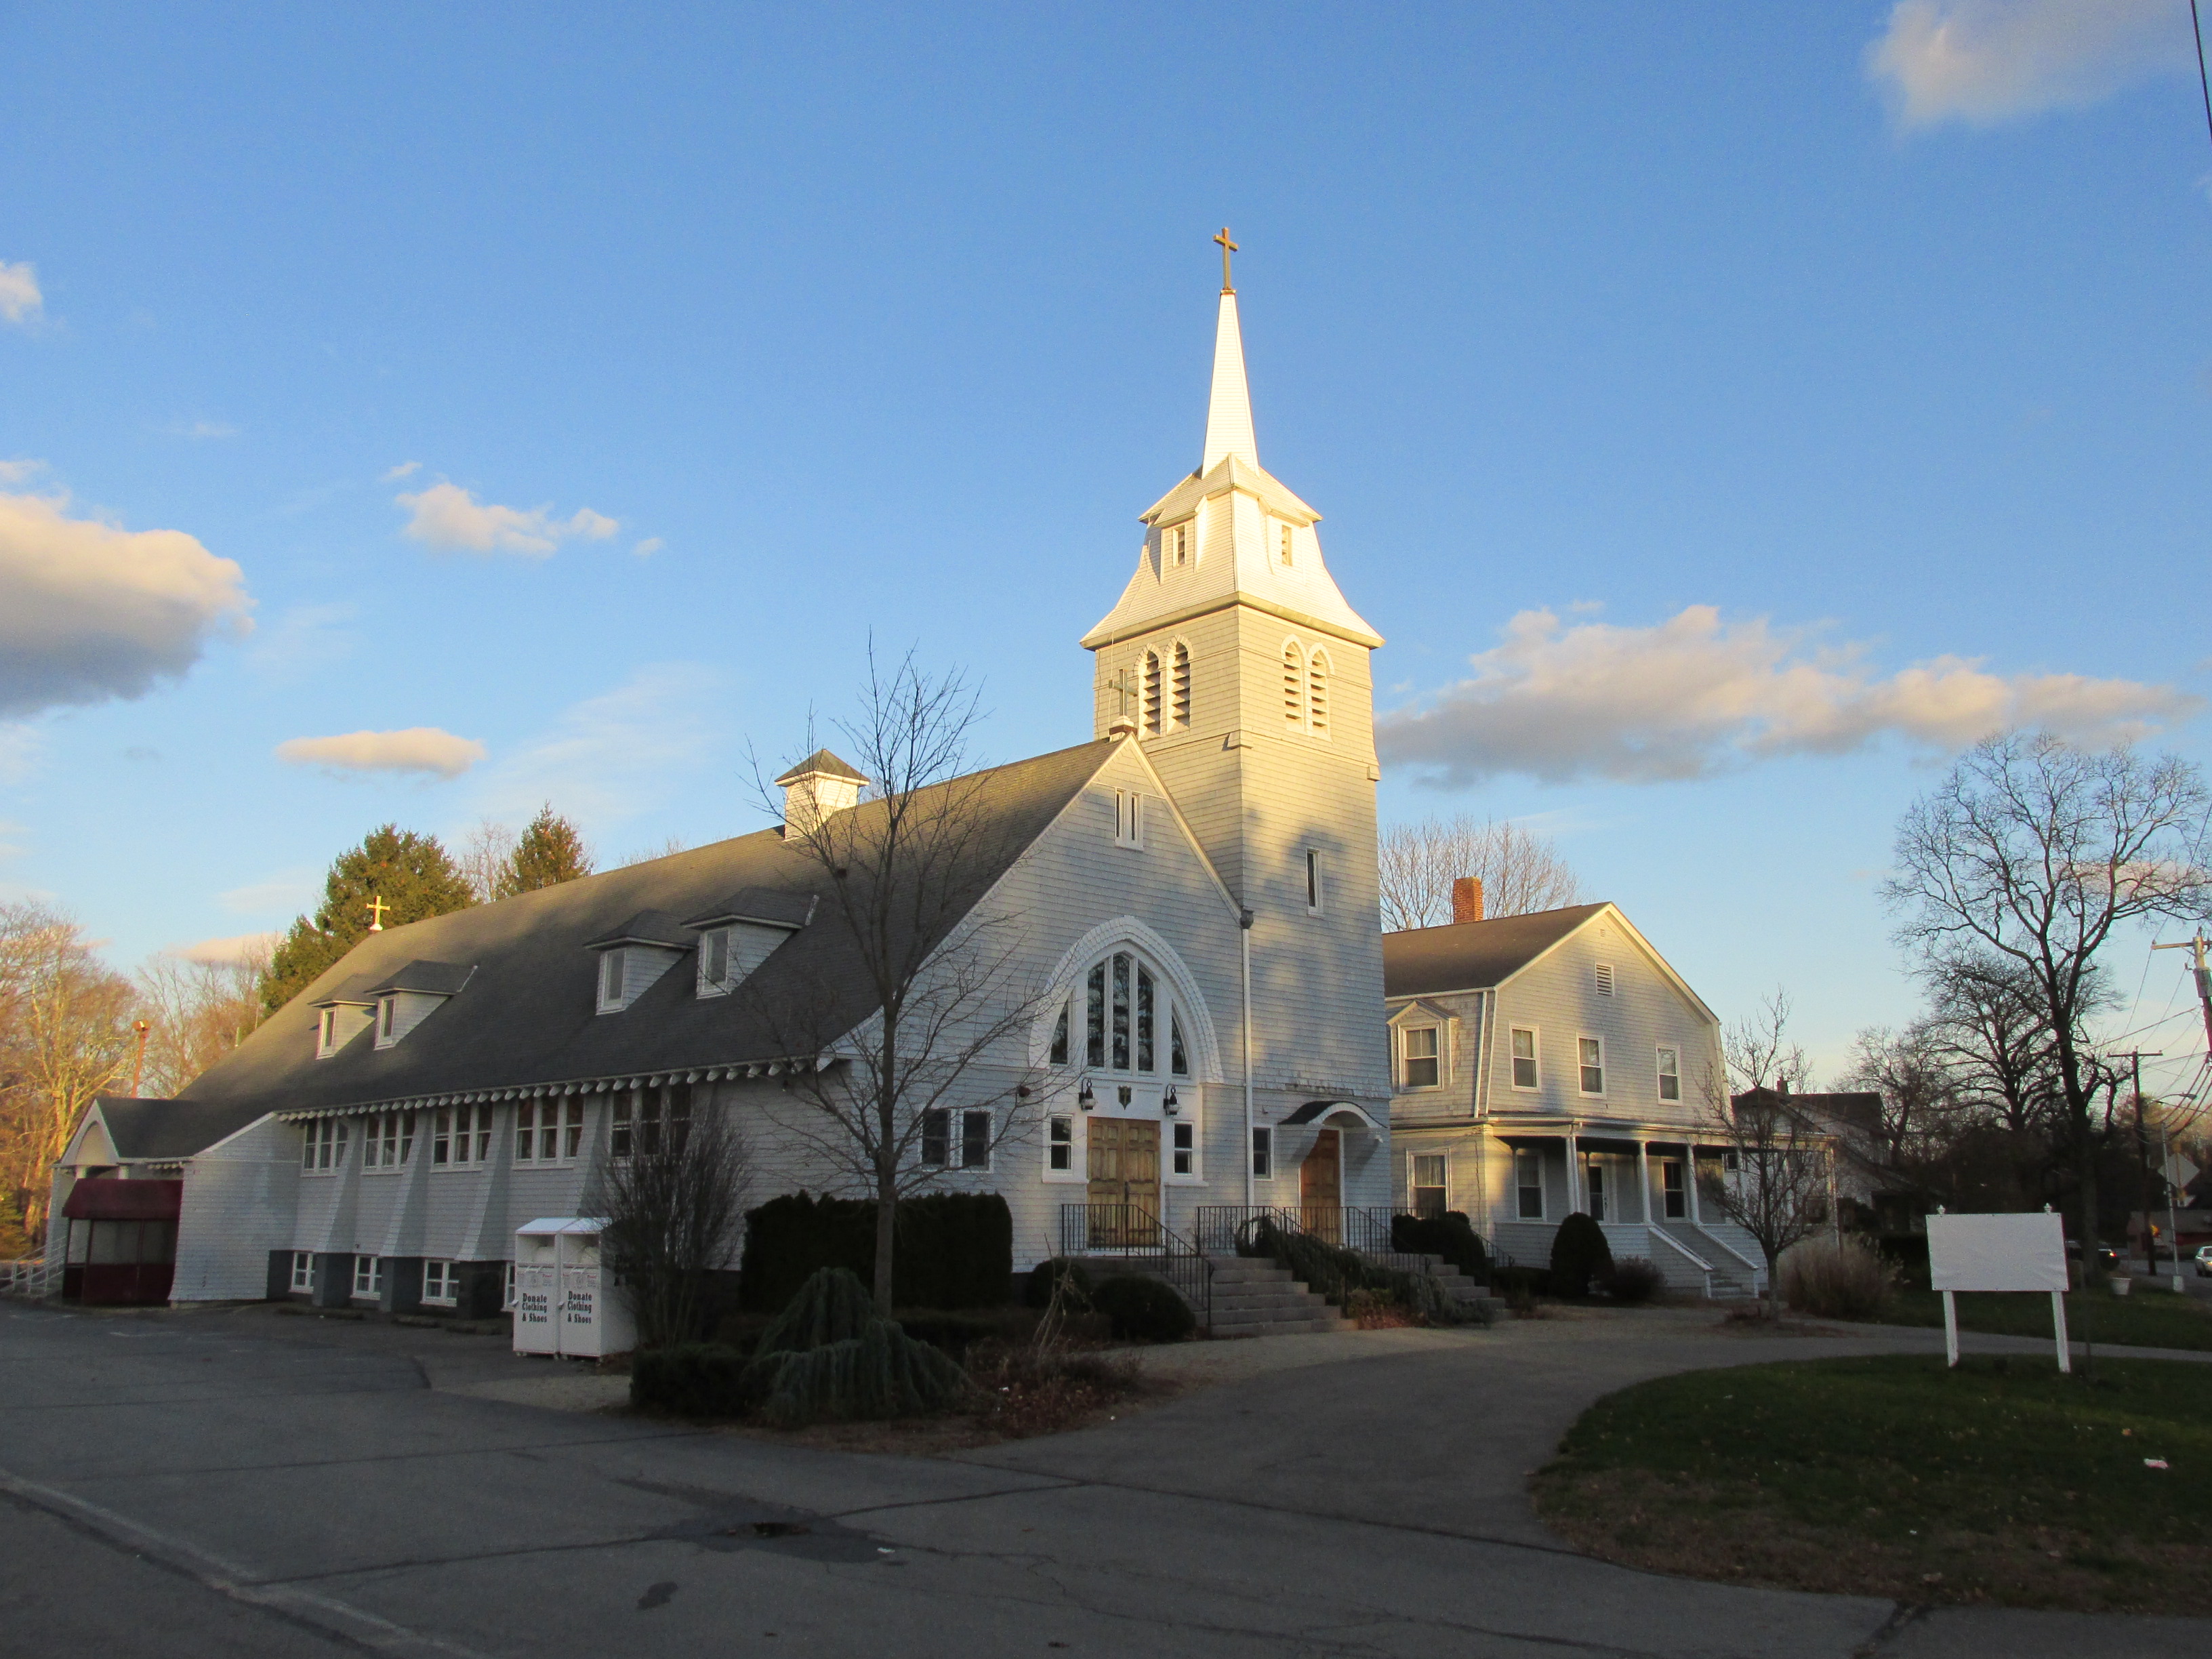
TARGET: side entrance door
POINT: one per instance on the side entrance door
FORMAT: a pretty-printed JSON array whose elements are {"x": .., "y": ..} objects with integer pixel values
[
  {"x": 1321, "y": 1187},
  {"x": 1125, "y": 1182}
]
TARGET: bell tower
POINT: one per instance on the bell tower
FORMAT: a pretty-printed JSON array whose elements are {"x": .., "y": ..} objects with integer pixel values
[{"x": 1246, "y": 676}]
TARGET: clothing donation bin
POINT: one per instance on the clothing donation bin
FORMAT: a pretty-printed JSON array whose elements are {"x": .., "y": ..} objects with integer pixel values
[{"x": 566, "y": 1301}]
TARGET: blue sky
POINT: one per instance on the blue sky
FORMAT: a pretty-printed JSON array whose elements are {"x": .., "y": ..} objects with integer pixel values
[{"x": 1878, "y": 330}]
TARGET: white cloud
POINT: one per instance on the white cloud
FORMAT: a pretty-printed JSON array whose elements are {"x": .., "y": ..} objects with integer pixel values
[
  {"x": 447, "y": 516},
  {"x": 1696, "y": 696},
  {"x": 1986, "y": 61},
  {"x": 648, "y": 547},
  {"x": 288, "y": 890},
  {"x": 22, "y": 749},
  {"x": 406, "y": 469},
  {"x": 200, "y": 429},
  {"x": 615, "y": 757},
  {"x": 89, "y": 611},
  {"x": 17, "y": 470},
  {"x": 417, "y": 749},
  {"x": 20, "y": 298},
  {"x": 225, "y": 953},
  {"x": 304, "y": 639}
]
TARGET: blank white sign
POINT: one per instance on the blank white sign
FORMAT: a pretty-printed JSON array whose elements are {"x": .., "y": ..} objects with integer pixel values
[{"x": 1996, "y": 1252}]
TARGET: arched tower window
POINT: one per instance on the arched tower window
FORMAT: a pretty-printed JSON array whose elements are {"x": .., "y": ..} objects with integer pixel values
[
  {"x": 1149, "y": 699},
  {"x": 1179, "y": 686},
  {"x": 1294, "y": 687},
  {"x": 1317, "y": 693}
]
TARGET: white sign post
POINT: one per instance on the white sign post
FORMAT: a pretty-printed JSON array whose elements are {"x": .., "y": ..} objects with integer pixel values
[{"x": 2023, "y": 1253}]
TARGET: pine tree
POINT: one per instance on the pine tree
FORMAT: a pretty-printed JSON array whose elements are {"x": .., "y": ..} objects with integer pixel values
[
  {"x": 551, "y": 850},
  {"x": 412, "y": 875}
]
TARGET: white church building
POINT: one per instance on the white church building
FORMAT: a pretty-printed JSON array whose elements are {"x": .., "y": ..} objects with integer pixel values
[{"x": 1195, "y": 889}]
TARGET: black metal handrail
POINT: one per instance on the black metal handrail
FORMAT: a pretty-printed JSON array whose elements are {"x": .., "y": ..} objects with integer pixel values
[
  {"x": 1228, "y": 1229},
  {"x": 1133, "y": 1232}
]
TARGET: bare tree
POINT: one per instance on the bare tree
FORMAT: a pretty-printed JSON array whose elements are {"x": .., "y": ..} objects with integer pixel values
[
  {"x": 1776, "y": 1176},
  {"x": 65, "y": 1036},
  {"x": 1760, "y": 1052},
  {"x": 673, "y": 1197},
  {"x": 2032, "y": 851},
  {"x": 944, "y": 1005},
  {"x": 486, "y": 856},
  {"x": 198, "y": 1012},
  {"x": 1920, "y": 1106},
  {"x": 1519, "y": 870},
  {"x": 669, "y": 848}
]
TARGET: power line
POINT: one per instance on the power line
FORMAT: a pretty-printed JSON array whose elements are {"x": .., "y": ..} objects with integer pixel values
[{"x": 2197, "y": 29}]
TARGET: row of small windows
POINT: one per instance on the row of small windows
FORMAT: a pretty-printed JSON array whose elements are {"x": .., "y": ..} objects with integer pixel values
[
  {"x": 1421, "y": 1061},
  {"x": 1177, "y": 542},
  {"x": 1125, "y": 1010},
  {"x": 548, "y": 1129},
  {"x": 441, "y": 1279},
  {"x": 1163, "y": 691},
  {"x": 1305, "y": 689}
]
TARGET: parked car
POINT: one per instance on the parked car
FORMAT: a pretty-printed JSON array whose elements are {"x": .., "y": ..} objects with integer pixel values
[
  {"x": 2108, "y": 1259},
  {"x": 2204, "y": 1260}
]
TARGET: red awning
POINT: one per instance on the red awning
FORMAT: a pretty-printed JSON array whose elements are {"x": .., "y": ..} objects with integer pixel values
[{"x": 101, "y": 1200}]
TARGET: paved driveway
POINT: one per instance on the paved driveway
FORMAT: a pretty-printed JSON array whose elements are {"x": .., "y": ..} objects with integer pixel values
[{"x": 239, "y": 1483}]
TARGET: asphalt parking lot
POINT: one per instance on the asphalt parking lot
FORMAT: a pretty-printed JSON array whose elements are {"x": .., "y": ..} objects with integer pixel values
[{"x": 233, "y": 1483}]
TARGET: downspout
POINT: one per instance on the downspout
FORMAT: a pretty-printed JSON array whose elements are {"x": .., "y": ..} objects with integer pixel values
[{"x": 1244, "y": 942}]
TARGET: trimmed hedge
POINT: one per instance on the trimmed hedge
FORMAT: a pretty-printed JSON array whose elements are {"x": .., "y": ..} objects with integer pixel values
[
  {"x": 1450, "y": 1236},
  {"x": 955, "y": 1250},
  {"x": 1579, "y": 1254},
  {"x": 1144, "y": 1310},
  {"x": 1036, "y": 1287},
  {"x": 1631, "y": 1280},
  {"x": 692, "y": 1379}
]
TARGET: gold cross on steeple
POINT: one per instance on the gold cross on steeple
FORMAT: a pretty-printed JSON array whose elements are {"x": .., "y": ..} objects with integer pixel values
[
  {"x": 1228, "y": 248},
  {"x": 377, "y": 906}
]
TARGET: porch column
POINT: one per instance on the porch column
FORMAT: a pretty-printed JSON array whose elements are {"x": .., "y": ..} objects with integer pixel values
[
  {"x": 1696, "y": 1210},
  {"x": 1577, "y": 1198},
  {"x": 1643, "y": 1174}
]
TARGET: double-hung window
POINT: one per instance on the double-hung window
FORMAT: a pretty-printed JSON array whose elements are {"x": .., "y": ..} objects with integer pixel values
[
  {"x": 1263, "y": 1152},
  {"x": 1422, "y": 1064},
  {"x": 647, "y": 1120},
  {"x": 367, "y": 1276},
  {"x": 549, "y": 1129},
  {"x": 1429, "y": 1191},
  {"x": 1524, "y": 1057},
  {"x": 323, "y": 1148},
  {"x": 441, "y": 1284},
  {"x": 1059, "y": 1144},
  {"x": 1183, "y": 1148},
  {"x": 1529, "y": 1183},
  {"x": 1670, "y": 1074},
  {"x": 955, "y": 1140},
  {"x": 460, "y": 1136},
  {"x": 1590, "y": 1060},
  {"x": 387, "y": 1140},
  {"x": 303, "y": 1273}
]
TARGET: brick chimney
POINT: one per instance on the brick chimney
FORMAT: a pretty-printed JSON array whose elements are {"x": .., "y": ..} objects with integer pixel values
[{"x": 1467, "y": 899}]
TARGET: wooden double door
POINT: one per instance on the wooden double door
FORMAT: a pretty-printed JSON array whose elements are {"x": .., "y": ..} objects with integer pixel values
[
  {"x": 1124, "y": 1164},
  {"x": 1321, "y": 1188}
]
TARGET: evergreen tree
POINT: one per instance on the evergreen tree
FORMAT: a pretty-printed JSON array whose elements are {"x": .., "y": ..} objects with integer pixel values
[
  {"x": 411, "y": 874},
  {"x": 551, "y": 850}
]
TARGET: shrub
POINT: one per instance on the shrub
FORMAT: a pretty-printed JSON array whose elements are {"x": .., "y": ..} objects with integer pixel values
[
  {"x": 1144, "y": 1310},
  {"x": 1579, "y": 1254},
  {"x": 1829, "y": 1280},
  {"x": 1631, "y": 1280},
  {"x": 955, "y": 1250},
  {"x": 831, "y": 1306},
  {"x": 957, "y": 1332},
  {"x": 1450, "y": 1236},
  {"x": 691, "y": 1379},
  {"x": 1335, "y": 1274},
  {"x": 1038, "y": 1286},
  {"x": 829, "y": 1355}
]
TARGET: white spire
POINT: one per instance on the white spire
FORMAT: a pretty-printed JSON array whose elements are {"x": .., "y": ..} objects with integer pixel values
[{"x": 1229, "y": 411}]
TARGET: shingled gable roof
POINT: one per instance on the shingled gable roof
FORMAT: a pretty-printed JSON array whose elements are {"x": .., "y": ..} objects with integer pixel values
[
  {"x": 528, "y": 1014},
  {"x": 143, "y": 1130},
  {"x": 1466, "y": 956}
]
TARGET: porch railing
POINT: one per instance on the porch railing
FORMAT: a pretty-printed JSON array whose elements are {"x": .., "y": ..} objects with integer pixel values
[
  {"x": 1221, "y": 1229},
  {"x": 1136, "y": 1234},
  {"x": 30, "y": 1276}
]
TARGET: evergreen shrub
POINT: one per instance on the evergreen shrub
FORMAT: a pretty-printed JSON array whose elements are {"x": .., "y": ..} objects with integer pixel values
[
  {"x": 1334, "y": 1273},
  {"x": 954, "y": 1250},
  {"x": 1579, "y": 1254},
  {"x": 1037, "y": 1287},
  {"x": 829, "y": 1355},
  {"x": 1450, "y": 1236},
  {"x": 691, "y": 1379},
  {"x": 1144, "y": 1310}
]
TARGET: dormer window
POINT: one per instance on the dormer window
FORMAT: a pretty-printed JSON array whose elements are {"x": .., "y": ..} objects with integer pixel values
[
  {"x": 327, "y": 1037},
  {"x": 386, "y": 1007},
  {"x": 634, "y": 956},
  {"x": 1179, "y": 546},
  {"x": 344, "y": 1016},
  {"x": 743, "y": 932},
  {"x": 610, "y": 979},
  {"x": 1286, "y": 546},
  {"x": 411, "y": 996},
  {"x": 715, "y": 959}
]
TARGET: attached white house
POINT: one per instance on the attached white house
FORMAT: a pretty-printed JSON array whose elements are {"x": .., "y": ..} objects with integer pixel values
[{"x": 1554, "y": 1062}]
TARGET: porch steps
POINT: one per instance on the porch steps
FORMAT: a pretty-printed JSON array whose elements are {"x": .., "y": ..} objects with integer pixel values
[
  {"x": 1468, "y": 1292},
  {"x": 1255, "y": 1297}
]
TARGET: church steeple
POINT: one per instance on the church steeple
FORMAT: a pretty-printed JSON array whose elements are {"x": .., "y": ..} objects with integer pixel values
[{"x": 1229, "y": 410}]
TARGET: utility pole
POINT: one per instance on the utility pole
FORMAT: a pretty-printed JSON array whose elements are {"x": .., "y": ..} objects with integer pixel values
[
  {"x": 139, "y": 1065},
  {"x": 2135, "y": 1059},
  {"x": 2199, "y": 944}
]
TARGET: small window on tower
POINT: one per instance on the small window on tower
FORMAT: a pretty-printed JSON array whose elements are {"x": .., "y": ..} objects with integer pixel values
[
  {"x": 1314, "y": 894},
  {"x": 1148, "y": 698},
  {"x": 1128, "y": 818},
  {"x": 1179, "y": 686},
  {"x": 1179, "y": 542},
  {"x": 1286, "y": 545}
]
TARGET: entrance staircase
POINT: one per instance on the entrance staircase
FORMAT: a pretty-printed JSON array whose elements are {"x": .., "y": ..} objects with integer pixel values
[{"x": 1253, "y": 1297}]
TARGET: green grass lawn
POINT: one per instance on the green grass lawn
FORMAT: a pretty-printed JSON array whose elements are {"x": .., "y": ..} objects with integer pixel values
[
  {"x": 2001, "y": 1481},
  {"x": 2144, "y": 1319}
]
